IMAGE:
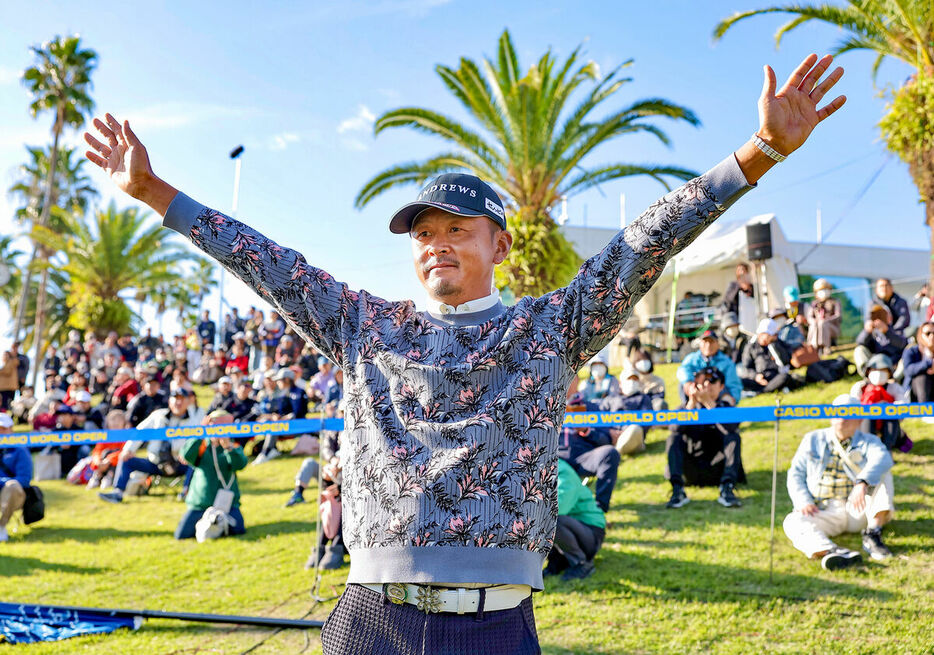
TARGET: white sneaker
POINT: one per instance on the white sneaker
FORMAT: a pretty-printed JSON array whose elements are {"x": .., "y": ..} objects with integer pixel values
[
  {"x": 94, "y": 483},
  {"x": 4, "y": 535}
]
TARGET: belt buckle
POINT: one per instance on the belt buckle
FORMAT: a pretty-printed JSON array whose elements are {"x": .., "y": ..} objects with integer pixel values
[
  {"x": 396, "y": 592},
  {"x": 428, "y": 600}
]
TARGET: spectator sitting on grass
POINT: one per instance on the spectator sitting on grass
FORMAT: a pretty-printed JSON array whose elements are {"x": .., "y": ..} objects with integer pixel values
[
  {"x": 106, "y": 456},
  {"x": 23, "y": 404},
  {"x": 224, "y": 395},
  {"x": 629, "y": 439},
  {"x": 123, "y": 388},
  {"x": 879, "y": 387},
  {"x": 840, "y": 481},
  {"x": 599, "y": 384},
  {"x": 144, "y": 404},
  {"x": 878, "y": 337},
  {"x": 580, "y": 531},
  {"x": 918, "y": 364},
  {"x": 789, "y": 331},
  {"x": 241, "y": 407},
  {"x": 15, "y": 476},
  {"x": 705, "y": 455},
  {"x": 288, "y": 404},
  {"x": 767, "y": 361},
  {"x": 708, "y": 354},
  {"x": 211, "y": 369},
  {"x": 215, "y": 462},
  {"x": 591, "y": 451},
  {"x": 162, "y": 456},
  {"x": 899, "y": 312},
  {"x": 652, "y": 385},
  {"x": 319, "y": 387}
]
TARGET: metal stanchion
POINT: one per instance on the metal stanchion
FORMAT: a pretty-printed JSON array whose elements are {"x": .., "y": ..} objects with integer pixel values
[{"x": 778, "y": 405}]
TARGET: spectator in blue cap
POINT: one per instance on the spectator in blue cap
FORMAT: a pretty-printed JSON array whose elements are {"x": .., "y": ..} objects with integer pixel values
[{"x": 708, "y": 354}]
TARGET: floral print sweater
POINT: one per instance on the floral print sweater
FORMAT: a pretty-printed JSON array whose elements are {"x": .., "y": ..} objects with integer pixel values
[{"x": 451, "y": 422}]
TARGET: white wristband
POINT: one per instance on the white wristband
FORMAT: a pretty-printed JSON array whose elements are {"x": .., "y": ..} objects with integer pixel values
[{"x": 771, "y": 152}]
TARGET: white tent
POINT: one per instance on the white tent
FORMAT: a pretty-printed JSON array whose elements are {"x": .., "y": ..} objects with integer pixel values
[{"x": 708, "y": 265}]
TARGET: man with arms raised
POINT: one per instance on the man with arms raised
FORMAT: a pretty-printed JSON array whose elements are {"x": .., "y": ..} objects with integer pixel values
[{"x": 449, "y": 493}]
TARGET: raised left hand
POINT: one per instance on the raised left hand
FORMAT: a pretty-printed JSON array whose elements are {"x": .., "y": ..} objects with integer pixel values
[{"x": 787, "y": 118}]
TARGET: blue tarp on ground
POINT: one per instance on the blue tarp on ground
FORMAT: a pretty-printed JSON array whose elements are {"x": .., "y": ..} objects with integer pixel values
[{"x": 25, "y": 624}]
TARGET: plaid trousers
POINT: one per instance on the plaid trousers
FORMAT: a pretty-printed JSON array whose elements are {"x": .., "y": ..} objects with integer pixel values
[{"x": 364, "y": 622}]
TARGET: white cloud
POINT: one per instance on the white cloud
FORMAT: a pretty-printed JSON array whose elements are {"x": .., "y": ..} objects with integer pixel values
[
  {"x": 9, "y": 75},
  {"x": 345, "y": 10},
  {"x": 283, "y": 141},
  {"x": 354, "y": 128},
  {"x": 362, "y": 121},
  {"x": 173, "y": 115}
]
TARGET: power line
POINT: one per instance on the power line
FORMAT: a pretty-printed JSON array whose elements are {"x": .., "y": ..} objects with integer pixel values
[{"x": 849, "y": 208}]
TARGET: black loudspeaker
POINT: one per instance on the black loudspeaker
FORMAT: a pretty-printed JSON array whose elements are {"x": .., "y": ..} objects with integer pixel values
[{"x": 759, "y": 241}]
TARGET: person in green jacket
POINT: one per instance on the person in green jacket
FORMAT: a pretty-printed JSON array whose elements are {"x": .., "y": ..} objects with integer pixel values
[
  {"x": 581, "y": 528},
  {"x": 215, "y": 461}
]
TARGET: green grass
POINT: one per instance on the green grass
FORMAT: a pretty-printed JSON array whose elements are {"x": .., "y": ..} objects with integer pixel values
[{"x": 694, "y": 580}]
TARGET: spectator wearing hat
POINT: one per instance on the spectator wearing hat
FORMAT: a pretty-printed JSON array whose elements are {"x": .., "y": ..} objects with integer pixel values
[
  {"x": 789, "y": 321},
  {"x": 732, "y": 339},
  {"x": 840, "y": 481},
  {"x": 879, "y": 337},
  {"x": 709, "y": 354},
  {"x": 319, "y": 386},
  {"x": 15, "y": 476},
  {"x": 918, "y": 364},
  {"x": 162, "y": 455},
  {"x": 224, "y": 395},
  {"x": 705, "y": 455},
  {"x": 214, "y": 462},
  {"x": 899, "y": 312},
  {"x": 629, "y": 439},
  {"x": 768, "y": 362},
  {"x": 9, "y": 380},
  {"x": 739, "y": 298},
  {"x": 308, "y": 361},
  {"x": 880, "y": 387},
  {"x": 652, "y": 385},
  {"x": 580, "y": 530},
  {"x": 824, "y": 316},
  {"x": 65, "y": 422},
  {"x": 599, "y": 384},
  {"x": 289, "y": 403}
]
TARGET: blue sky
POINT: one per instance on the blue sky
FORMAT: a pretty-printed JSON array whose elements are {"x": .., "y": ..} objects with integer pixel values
[{"x": 299, "y": 86}]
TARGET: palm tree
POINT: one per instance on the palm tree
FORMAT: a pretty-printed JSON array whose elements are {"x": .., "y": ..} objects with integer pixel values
[
  {"x": 200, "y": 281},
  {"x": 59, "y": 82},
  {"x": 110, "y": 260},
  {"x": 57, "y": 313},
  {"x": 531, "y": 145},
  {"x": 10, "y": 277},
  {"x": 72, "y": 191},
  {"x": 900, "y": 29}
]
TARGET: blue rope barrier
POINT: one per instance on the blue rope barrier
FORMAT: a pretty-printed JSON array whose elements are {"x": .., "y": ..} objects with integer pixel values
[{"x": 572, "y": 419}]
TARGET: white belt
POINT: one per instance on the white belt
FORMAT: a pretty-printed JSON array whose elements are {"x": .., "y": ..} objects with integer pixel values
[{"x": 460, "y": 600}]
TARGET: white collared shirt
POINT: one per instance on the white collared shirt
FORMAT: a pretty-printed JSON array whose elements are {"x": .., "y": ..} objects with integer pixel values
[{"x": 469, "y": 307}]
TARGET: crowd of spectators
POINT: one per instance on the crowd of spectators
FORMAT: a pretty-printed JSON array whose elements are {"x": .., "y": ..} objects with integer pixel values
[{"x": 261, "y": 371}]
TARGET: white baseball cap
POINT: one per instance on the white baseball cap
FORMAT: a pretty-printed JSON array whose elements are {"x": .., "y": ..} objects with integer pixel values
[
  {"x": 82, "y": 397},
  {"x": 5, "y": 421}
]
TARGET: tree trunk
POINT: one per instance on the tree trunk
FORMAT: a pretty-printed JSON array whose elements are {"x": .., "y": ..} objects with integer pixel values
[
  {"x": 24, "y": 294},
  {"x": 38, "y": 332},
  {"x": 929, "y": 216}
]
